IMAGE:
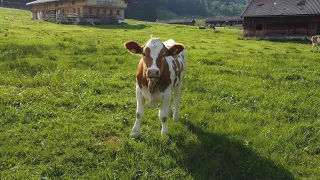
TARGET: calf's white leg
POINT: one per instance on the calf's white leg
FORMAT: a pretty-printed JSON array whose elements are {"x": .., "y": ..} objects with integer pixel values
[
  {"x": 177, "y": 99},
  {"x": 139, "y": 113},
  {"x": 164, "y": 113}
]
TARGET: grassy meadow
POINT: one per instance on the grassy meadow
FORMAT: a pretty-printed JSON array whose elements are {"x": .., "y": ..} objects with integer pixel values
[{"x": 250, "y": 108}]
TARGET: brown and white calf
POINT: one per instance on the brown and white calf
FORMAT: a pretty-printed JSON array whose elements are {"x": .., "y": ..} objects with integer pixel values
[
  {"x": 160, "y": 72},
  {"x": 315, "y": 40}
]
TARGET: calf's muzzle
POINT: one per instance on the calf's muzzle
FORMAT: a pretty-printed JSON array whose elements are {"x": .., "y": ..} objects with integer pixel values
[{"x": 153, "y": 73}]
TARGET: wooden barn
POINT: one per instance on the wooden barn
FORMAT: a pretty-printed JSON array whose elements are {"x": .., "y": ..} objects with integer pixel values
[
  {"x": 79, "y": 11},
  {"x": 224, "y": 21},
  {"x": 185, "y": 21},
  {"x": 282, "y": 18}
]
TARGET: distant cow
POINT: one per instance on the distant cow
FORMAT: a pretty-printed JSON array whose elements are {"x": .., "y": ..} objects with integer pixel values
[
  {"x": 160, "y": 72},
  {"x": 212, "y": 27},
  {"x": 315, "y": 40}
]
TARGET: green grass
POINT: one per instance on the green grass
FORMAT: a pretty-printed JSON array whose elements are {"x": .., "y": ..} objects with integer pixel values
[{"x": 250, "y": 109}]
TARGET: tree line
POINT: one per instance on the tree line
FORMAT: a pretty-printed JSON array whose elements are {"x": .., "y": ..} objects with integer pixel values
[{"x": 204, "y": 7}]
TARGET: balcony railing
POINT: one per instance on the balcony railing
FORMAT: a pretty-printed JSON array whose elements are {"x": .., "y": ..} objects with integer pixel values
[
  {"x": 85, "y": 18},
  {"x": 88, "y": 15}
]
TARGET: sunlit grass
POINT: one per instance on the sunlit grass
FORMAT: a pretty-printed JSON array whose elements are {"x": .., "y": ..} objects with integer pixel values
[{"x": 250, "y": 108}]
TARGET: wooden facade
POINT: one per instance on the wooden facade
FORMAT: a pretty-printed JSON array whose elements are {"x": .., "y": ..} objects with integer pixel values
[
  {"x": 282, "y": 26},
  {"x": 79, "y": 11}
]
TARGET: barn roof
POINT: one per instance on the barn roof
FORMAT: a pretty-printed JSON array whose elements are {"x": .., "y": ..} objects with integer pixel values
[
  {"x": 40, "y": 2},
  {"x": 282, "y": 8},
  {"x": 181, "y": 21},
  {"x": 47, "y": 1},
  {"x": 162, "y": 21},
  {"x": 174, "y": 21},
  {"x": 223, "y": 19}
]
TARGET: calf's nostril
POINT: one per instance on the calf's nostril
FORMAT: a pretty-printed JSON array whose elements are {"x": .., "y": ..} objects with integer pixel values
[{"x": 153, "y": 73}]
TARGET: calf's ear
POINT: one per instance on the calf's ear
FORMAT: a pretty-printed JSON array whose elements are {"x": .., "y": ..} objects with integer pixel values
[
  {"x": 133, "y": 47},
  {"x": 175, "y": 49}
]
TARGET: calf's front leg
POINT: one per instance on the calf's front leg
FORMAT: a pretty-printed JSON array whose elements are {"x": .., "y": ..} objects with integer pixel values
[
  {"x": 164, "y": 113},
  {"x": 139, "y": 113}
]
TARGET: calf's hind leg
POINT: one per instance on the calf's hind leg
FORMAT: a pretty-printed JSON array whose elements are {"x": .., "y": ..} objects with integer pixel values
[{"x": 177, "y": 99}]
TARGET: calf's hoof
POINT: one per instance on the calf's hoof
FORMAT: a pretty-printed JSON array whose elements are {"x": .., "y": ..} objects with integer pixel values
[
  {"x": 171, "y": 113},
  {"x": 134, "y": 133},
  {"x": 164, "y": 132},
  {"x": 175, "y": 116}
]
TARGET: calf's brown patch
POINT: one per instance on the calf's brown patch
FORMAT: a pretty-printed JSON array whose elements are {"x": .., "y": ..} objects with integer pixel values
[
  {"x": 164, "y": 80},
  {"x": 141, "y": 75}
]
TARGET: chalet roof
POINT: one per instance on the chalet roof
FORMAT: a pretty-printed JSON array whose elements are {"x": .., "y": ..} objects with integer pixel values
[
  {"x": 223, "y": 19},
  {"x": 174, "y": 21},
  {"x": 282, "y": 8},
  {"x": 162, "y": 21},
  {"x": 181, "y": 21},
  {"x": 47, "y": 1},
  {"x": 40, "y": 2}
]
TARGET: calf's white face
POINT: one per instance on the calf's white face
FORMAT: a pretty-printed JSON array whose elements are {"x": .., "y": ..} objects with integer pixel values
[{"x": 153, "y": 54}]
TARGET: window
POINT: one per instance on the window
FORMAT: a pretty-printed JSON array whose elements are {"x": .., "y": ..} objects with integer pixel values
[
  {"x": 111, "y": 12},
  {"x": 118, "y": 12},
  {"x": 74, "y": 10},
  {"x": 78, "y": 10},
  {"x": 104, "y": 11},
  {"x": 73, "y": 2},
  {"x": 62, "y": 11},
  {"x": 98, "y": 11},
  {"x": 90, "y": 11},
  {"x": 259, "y": 27},
  {"x": 61, "y": 3}
]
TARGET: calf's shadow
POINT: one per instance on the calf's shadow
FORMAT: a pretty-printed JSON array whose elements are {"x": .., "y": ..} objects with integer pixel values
[{"x": 218, "y": 157}]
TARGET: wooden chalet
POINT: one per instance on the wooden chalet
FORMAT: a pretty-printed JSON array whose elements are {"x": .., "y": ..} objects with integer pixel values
[
  {"x": 224, "y": 21},
  {"x": 79, "y": 11},
  {"x": 185, "y": 21},
  {"x": 283, "y": 18}
]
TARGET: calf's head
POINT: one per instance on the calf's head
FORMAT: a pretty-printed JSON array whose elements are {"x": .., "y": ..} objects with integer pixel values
[{"x": 153, "y": 58}]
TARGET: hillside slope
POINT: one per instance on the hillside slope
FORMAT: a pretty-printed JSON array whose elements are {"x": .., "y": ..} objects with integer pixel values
[{"x": 203, "y": 7}]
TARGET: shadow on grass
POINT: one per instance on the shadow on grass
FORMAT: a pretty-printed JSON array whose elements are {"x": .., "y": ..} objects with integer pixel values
[
  {"x": 118, "y": 26},
  {"x": 217, "y": 157}
]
